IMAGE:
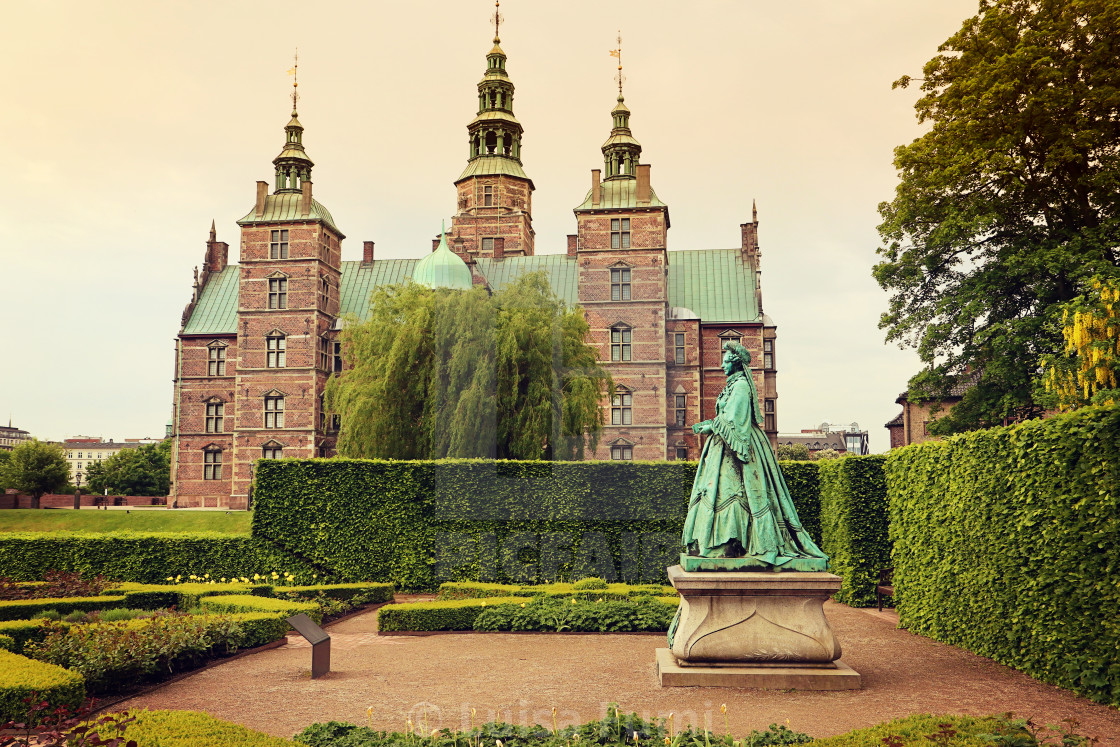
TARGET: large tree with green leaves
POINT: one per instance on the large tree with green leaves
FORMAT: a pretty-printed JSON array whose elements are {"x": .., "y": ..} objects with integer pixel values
[
  {"x": 1009, "y": 204},
  {"x": 145, "y": 470},
  {"x": 36, "y": 467},
  {"x": 443, "y": 373}
]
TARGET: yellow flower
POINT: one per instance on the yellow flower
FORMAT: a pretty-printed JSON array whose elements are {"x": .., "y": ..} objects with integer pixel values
[
  {"x": 667, "y": 740},
  {"x": 522, "y": 604},
  {"x": 573, "y": 600},
  {"x": 723, "y": 708}
]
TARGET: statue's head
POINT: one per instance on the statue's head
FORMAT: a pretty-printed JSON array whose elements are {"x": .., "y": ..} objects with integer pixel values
[{"x": 735, "y": 357}]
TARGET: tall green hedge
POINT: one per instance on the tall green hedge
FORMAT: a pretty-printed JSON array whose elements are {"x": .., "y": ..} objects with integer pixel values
[
  {"x": 855, "y": 536},
  {"x": 141, "y": 557},
  {"x": 420, "y": 523},
  {"x": 1007, "y": 542}
]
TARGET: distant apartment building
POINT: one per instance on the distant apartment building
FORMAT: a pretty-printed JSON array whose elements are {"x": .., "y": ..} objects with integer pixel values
[
  {"x": 12, "y": 437},
  {"x": 84, "y": 451},
  {"x": 845, "y": 438}
]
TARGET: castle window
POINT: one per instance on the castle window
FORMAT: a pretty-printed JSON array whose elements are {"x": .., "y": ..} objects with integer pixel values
[
  {"x": 622, "y": 452},
  {"x": 278, "y": 247},
  {"x": 324, "y": 292},
  {"x": 771, "y": 422},
  {"x": 217, "y": 360},
  {"x": 324, "y": 354},
  {"x": 488, "y": 245},
  {"x": 620, "y": 233},
  {"x": 274, "y": 412},
  {"x": 336, "y": 348},
  {"x": 212, "y": 465},
  {"x": 487, "y": 196},
  {"x": 277, "y": 293},
  {"x": 681, "y": 409},
  {"x": 678, "y": 348},
  {"x": 621, "y": 408},
  {"x": 620, "y": 344},
  {"x": 272, "y": 450},
  {"x": 682, "y": 453},
  {"x": 768, "y": 354},
  {"x": 277, "y": 346},
  {"x": 620, "y": 284},
  {"x": 215, "y": 416}
]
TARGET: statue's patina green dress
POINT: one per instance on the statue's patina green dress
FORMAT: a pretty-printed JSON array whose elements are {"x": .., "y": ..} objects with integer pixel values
[{"x": 740, "y": 505}]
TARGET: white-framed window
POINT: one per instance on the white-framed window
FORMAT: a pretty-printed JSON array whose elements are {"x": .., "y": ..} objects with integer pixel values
[
  {"x": 622, "y": 404},
  {"x": 212, "y": 465},
  {"x": 277, "y": 293},
  {"x": 620, "y": 233},
  {"x": 216, "y": 360},
  {"x": 274, "y": 411},
  {"x": 620, "y": 284},
  {"x": 620, "y": 343},
  {"x": 276, "y": 346},
  {"x": 278, "y": 247},
  {"x": 622, "y": 451},
  {"x": 215, "y": 416},
  {"x": 272, "y": 450},
  {"x": 680, "y": 408}
]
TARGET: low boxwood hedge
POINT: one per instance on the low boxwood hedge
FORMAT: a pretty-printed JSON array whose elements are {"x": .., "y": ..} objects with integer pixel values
[
  {"x": 570, "y": 614},
  {"x": 456, "y": 614},
  {"x": 21, "y": 631},
  {"x": 22, "y": 609},
  {"x": 181, "y": 596},
  {"x": 248, "y": 603},
  {"x": 7, "y": 643},
  {"x": 20, "y": 676},
  {"x": 359, "y": 593},
  {"x": 474, "y": 590},
  {"x": 189, "y": 729}
]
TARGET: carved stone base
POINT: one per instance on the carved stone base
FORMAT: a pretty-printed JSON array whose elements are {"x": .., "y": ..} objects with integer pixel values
[
  {"x": 832, "y": 676},
  {"x": 741, "y": 618}
]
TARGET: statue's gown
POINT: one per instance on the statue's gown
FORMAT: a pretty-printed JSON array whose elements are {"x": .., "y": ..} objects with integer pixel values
[{"x": 740, "y": 493}]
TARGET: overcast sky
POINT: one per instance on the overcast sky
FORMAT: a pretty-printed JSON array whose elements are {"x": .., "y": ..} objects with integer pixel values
[{"x": 129, "y": 126}]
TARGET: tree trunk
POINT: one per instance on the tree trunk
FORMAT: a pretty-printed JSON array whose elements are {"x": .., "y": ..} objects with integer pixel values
[{"x": 35, "y": 501}]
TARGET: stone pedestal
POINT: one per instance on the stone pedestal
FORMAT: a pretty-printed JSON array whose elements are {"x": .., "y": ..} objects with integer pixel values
[{"x": 753, "y": 629}]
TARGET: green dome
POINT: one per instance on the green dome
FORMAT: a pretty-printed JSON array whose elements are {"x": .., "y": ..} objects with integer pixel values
[{"x": 443, "y": 268}]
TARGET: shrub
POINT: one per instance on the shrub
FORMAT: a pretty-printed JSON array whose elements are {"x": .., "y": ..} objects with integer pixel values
[
  {"x": 7, "y": 643},
  {"x": 452, "y": 615},
  {"x": 22, "y": 631},
  {"x": 469, "y": 590},
  {"x": 182, "y": 596},
  {"x": 590, "y": 583},
  {"x": 952, "y": 731},
  {"x": 191, "y": 728},
  {"x": 141, "y": 557},
  {"x": 259, "y": 628},
  {"x": 854, "y": 524},
  {"x": 550, "y": 614},
  {"x": 450, "y": 590},
  {"x": 110, "y": 654},
  {"x": 420, "y": 523},
  {"x": 357, "y": 593},
  {"x": 249, "y": 603},
  {"x": 20, "y": 677},
  {"x": 23, "y": 609},
  {"x": 1007, "y": 542}
]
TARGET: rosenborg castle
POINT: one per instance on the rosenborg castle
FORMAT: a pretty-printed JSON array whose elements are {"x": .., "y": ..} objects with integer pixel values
[{"x": 259, "y": 339}]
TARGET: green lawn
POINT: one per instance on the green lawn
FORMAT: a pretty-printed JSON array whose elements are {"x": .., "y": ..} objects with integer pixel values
[{"x": 139, "y": 520}]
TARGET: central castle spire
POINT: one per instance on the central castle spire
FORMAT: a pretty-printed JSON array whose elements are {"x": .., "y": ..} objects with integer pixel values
[{"x": 494, "y": 216}]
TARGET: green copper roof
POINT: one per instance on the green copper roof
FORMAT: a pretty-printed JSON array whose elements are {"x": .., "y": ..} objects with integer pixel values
[
  {"x": 492, "y": 166},
  {"x": 443, "y": 268},
  {"x": 563, "y": 275},
  {"x": 619, "y": 193},
  {"x": 359, "y": 279},
  {"x": 216, "y": 310},
  {"x": 714, "y": 283},
  {"x": 285, "y": 207}
]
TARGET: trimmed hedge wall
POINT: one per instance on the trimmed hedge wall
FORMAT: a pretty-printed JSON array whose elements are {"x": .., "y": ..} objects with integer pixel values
[
  {"x": 20, "y": 676},
  {"x": 140, "y": 557},
  {"x": 420, "y": 523},
  {"x": 454, "y": 615},
  {"x": 1007, "y": 542},
  {"x": 22, "y": 631},
  {"x": 22, "y": 609},
  {"x": 283, "y": 608},
  {"x": 854, "y": 524}
]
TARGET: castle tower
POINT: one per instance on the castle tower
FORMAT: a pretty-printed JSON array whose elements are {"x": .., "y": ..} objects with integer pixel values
[
  {"x": 623, "y": 269},
  {"x": 494, "y": 216},
  {"x": 288, "y": 299}
]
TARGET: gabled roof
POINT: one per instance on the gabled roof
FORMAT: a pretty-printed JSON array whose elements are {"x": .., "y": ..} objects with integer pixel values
[
  {"x": 894, "y": 422},
  {"x": 715, "y": 283}
]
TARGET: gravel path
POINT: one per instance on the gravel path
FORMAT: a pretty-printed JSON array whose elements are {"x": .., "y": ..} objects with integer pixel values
[{"x": 437, "y": 679}]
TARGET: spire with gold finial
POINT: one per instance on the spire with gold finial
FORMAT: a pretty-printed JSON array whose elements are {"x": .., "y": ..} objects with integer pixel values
[
  {"x": 621, "y": 151},
  {"x": 293, "y": 166}
]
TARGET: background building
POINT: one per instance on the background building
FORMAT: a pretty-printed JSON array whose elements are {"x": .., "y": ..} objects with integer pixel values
[
  {"x": 844, "y": 438},
  {"x": 83, "y": 451},
  {"x": 259, "y": 339},
  {"x": 12, "y": 437}
]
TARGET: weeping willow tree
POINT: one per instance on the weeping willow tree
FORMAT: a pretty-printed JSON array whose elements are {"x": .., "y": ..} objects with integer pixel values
[
  {"x": 1088, "y": 368},
  {"x": 440, "y": 373}
]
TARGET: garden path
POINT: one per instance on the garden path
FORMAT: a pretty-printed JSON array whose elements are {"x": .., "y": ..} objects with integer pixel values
[{"x": 437, "y": 679}]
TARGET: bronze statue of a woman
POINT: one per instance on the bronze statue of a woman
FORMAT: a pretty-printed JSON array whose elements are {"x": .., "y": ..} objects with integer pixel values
[{"x": 740, "y": 509}]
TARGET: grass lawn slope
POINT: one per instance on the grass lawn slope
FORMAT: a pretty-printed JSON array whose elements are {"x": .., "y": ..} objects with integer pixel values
[{"x": 139, "y": 520}]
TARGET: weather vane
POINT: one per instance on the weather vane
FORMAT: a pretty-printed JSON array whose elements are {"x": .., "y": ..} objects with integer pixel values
[
  {"x": 497, "y": 18},
  {"x": 294, "y": 72},
  {"x": 617, "y": 52}
]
